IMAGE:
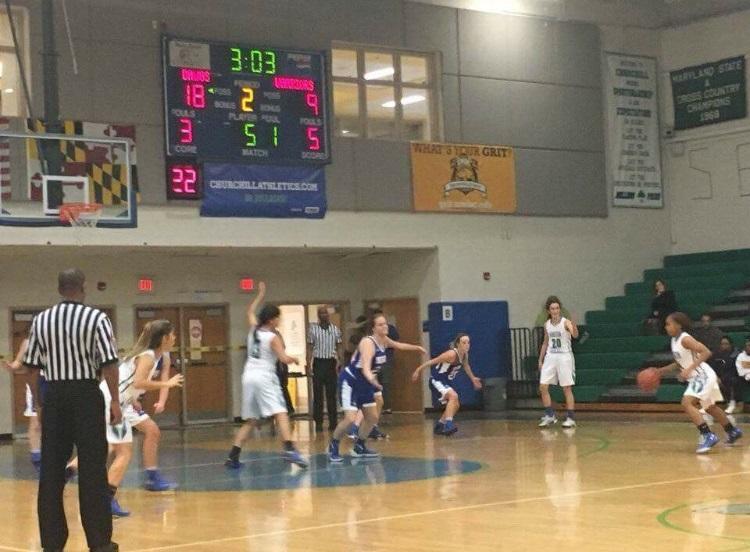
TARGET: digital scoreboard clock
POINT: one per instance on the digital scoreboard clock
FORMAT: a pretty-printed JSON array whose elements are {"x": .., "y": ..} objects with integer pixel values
[{"x": 242, "y": 104}]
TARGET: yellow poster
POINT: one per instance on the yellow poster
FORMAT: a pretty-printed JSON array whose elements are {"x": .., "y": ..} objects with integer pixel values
[{"x": 463, "y": 178}]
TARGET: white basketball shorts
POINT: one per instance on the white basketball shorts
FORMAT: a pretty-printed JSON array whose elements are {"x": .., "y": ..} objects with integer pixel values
[{"x": 558, "y": 369}]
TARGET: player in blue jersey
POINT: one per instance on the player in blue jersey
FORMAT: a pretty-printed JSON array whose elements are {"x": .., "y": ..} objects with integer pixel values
[
  {"x": 445, "y": 368},
  {"x": 358, "y": 385}
]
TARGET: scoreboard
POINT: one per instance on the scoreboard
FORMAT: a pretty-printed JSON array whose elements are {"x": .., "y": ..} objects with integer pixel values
[{"x": 239, "y": 103}]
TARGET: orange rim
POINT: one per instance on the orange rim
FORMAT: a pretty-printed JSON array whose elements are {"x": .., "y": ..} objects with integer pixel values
[{"x": 71, "y": 212}]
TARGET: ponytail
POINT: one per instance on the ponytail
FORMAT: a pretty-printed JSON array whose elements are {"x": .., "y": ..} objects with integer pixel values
[{"x": 151, "y": 337}]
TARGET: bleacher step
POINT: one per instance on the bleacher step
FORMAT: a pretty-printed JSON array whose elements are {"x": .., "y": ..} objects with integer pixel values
[
  {"x": 731, "y": 308},
  {"x": 740, "y": 294}
]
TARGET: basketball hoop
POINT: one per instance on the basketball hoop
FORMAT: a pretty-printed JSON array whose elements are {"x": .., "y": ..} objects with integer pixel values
[{"x": 81, "y": 215}]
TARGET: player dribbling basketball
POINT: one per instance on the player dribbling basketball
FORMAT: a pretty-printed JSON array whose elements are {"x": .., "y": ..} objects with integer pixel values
[{"x": 690, "y": 357}]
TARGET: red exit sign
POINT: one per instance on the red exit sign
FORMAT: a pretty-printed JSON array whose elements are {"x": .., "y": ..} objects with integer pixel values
[{"x": 146, "y": 285}]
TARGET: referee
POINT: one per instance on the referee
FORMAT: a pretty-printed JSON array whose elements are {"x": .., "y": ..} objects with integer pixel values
[
  {"x": 70, "y": 343},
  {"x": 324, "y": 353}
]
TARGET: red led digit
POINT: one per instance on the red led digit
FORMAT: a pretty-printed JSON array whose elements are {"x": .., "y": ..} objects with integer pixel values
[
  {"x": 177, "y": 179},
  {"x": 189, "y": 179},
  {"x": 311, "y": 100},
  {"x": 186, "y": 130},
  {"x": 195, "y": 95},
  {"x": 313, "y": 141}
]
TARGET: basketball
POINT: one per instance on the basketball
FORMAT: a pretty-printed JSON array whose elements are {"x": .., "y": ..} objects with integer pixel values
[{"x": 649, "y": 379}]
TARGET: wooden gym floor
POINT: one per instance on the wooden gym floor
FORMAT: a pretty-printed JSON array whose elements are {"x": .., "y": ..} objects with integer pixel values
[{"x": 497, "y": 485}]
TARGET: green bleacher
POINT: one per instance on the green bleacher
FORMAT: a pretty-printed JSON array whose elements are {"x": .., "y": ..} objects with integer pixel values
[
  {"x": 713, "y": 257},
  {"x": 616, "y": 349}
]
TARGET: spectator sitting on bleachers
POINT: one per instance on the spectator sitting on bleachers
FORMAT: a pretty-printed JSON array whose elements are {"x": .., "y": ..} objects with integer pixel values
[
  {"x": 707, "y": 334},
  {"x": 723, "y": 362},
  {"x": 663, "y": 304}
]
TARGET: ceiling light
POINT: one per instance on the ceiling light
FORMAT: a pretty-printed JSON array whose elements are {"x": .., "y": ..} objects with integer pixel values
[
  {"x": 406, "y": 100},
  {"x": 9, "y": 91},
  {"x": 416, "y": 98},
  {"x": 345, "y": 131},
  {"x": 380, "y": 73}
]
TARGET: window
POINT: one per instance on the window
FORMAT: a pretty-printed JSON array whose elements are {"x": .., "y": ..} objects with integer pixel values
[
  {"x": 383, "y": 94},
  {"x": 12, "y": 102}
]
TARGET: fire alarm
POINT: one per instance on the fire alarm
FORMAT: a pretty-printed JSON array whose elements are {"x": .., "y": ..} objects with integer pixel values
[
  {"x": 101, "y": 286},
  {"x": 486, "y": 276}
]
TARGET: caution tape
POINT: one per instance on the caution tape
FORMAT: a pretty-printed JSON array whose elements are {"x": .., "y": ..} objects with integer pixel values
[{"x": 185, "y": 351}]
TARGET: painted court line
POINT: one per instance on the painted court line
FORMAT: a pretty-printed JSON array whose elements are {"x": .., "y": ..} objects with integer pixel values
[{"x": 442, "y": 511}]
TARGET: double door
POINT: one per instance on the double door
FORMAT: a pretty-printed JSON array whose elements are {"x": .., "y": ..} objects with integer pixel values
[{"x": 201, "y": 354}]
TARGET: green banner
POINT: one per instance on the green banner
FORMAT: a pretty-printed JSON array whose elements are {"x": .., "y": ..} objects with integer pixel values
[{"x": 710, "y": 93}]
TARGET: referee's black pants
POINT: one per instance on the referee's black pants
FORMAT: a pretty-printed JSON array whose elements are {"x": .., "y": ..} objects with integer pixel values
[
  {"x": 73, "y": 414},
  {"x": 325, "y": 383}
]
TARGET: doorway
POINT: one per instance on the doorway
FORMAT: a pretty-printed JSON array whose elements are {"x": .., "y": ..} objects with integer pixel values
[
  {"x": 201, "y": 355},
  {"x": 20, "y": 325},
  {"x": 401, "y": 394},
  {"x": 295, "y": 322}
]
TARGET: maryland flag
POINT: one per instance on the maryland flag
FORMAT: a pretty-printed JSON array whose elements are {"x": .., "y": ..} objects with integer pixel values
[{"x": 103, "y": 163}]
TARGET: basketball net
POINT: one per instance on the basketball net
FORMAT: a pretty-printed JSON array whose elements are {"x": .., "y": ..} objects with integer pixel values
[{"x": 81, "y": 216}]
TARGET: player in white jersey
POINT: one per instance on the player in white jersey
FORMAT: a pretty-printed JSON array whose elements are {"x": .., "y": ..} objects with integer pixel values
[
  {"x": 261, "y": 392},
  {"x": 556, "y": 363},
  {"x": 35, "y": 426},
  {"x": 690, "y": 358},
  {"x": 445, "y": 368},
  {"x": 135, "y": 377},
  {"x": 743, "y": 361}
]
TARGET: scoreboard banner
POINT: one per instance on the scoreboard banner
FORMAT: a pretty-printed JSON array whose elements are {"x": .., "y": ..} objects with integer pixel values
[
  {"x": 633, "y": 131},
  {"x": 710, "y": 93},
  {"x": 463, "y": 178},
  {"x": 231, "y": 190}
]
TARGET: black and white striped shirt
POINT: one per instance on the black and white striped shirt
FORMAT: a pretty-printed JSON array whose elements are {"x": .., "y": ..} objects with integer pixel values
[
  {"x": 71, "y": 341},
  {"x": 324, "y": 340}
]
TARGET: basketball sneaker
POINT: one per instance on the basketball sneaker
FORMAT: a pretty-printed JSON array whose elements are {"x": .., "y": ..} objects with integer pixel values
[
  {"x": 568, "y": 423},
  {"x": 294, "y": 457},
  {"x": 376, "y": 434},
  {"x": 734, "y": 435},
  {"x": 156, "y": 483},
  {"x": 360, "y": 450},
  {"x": 706, "y": 443},
  {"x": 117, "y": 510},
  {"x": 450, "y": 428},
  {"x": 439, "y": 428},
  {"x": 547, "y": 421},
  {"x": 353, "y": 432},
  {"x": 233, "y": 463},
  {"x": 731, "y": 407},
  {"x": 333, "y": 452}
]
